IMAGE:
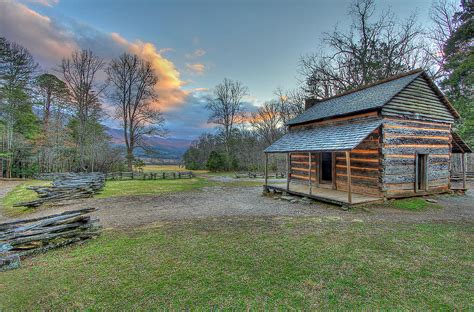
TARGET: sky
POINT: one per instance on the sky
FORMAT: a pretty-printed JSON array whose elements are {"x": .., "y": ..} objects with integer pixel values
[{"x": 192, "y": 44}]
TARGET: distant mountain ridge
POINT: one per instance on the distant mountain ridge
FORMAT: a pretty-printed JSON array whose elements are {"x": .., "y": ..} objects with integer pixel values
[{"x": 166, "y": 148}]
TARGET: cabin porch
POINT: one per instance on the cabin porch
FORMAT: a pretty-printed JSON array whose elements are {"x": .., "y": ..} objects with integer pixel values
[
  {"x": 323, "y": 194},
  {"x": 337, "y": 163}
]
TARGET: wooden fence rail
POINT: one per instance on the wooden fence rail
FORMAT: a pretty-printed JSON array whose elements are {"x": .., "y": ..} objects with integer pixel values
[
  {"x": 165, "y": 175},
  {"x": 254, "y": 175}
]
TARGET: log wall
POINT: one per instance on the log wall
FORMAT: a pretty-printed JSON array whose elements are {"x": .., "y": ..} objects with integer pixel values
[
  {"x": 402, "y": 139},
  {"x": 299, "y": 167},
  {"x": 365, "y": 167}
]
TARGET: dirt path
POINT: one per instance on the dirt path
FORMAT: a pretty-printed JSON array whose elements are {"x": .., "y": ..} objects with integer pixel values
[{"x": 218, "y": 202}]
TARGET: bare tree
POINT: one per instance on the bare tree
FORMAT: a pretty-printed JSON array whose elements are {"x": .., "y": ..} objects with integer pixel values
[
  {"x": 371, "y": 50},
  {"x": 52, "y": 95},
  {"x": 266, "y": 122},
  {"x": 133, "y": 82},
  {"x": 290, "y": 103},
  {"x": 226, "y": 107},
  {"x": 80, "y": 75},
  {"x": 442, "y": 14}
]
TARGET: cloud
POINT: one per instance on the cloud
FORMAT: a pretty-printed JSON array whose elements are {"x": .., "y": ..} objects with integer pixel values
[
  {"x": 169, "y": 83},
  {"x": 196, "y": 68},
  {"x": 201, "y": 89},
  {"x": 195, "y": 54},
  {"x": 49, "y": 41},
  {"x": 48, "y": 3},
  {"x": 38, "y": 33},
  {"x": 190, "y": 120}
]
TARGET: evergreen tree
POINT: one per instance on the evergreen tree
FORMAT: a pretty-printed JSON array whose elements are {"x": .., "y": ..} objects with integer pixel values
[{"x": 459, "y": 66}]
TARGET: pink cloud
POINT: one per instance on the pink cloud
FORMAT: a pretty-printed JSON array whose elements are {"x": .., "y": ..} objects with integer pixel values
[
  {"x": 48, "y": 3},
  {"x": 169, "y": 84},
  {"x": 195, "y": 54},
  {"x": 34, "y": 31},
  {"x": 196, "y": 68},
  {"x": 49, "y": 42}
]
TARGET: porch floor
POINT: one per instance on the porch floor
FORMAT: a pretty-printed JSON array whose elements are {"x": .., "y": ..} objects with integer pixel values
[{"x": 324, "y": 194}]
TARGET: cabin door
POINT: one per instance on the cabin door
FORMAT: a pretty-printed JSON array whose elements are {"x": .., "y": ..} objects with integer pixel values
[
  {"x": 326, "y": 167},
  {"x": 421, "y": 178}
]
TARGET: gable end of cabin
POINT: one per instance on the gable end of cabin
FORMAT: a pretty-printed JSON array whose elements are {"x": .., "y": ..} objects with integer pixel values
[{"x": 416, "y": 136}]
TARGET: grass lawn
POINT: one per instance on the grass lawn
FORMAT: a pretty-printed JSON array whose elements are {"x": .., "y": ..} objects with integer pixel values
[
  {"x": 149, "y": 187},
  {"x": 259, "y": 263},
  {"x": 413, "y": 204},
  {"x": 118, "y": 188},
  {"x": 20, "y": 194}
]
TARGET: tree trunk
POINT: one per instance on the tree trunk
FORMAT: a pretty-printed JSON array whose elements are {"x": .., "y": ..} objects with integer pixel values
[
  {"x": 130, "y": 159},
  {"x": 8, "y": 169}
]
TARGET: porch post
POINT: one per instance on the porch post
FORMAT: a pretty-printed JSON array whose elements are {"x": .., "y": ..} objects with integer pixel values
[
  {"x": 309, "y": 174},
  {"x": 463, "y": 164},
  {"x": 348, "y": 164},
  {"x": 288, "y": 167},
  {"x": 266, "y": 171}
]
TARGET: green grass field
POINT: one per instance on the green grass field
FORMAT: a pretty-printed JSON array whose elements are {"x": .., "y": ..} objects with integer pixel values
[
  {"x": 413, "y": 204},
  {"x": 118, "y": 188},
  {"x": 20, "y": 194},
  {"x": 150, "y": 187},
  {"x": 284, "y": 263}
]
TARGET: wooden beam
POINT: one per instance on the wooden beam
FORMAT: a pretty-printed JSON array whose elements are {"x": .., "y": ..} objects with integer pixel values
[
  {"x": 318, "y": 174},
  {"x": 417, "y": 177},
  {"x": 266, "y": 171},
  {"x": 463, "y": 164},
  {"x": 333, "y": 170},
  {"x": 309, "y": 174},
  {"x": 288, "y": 168},
  {"x": 349, "y": 191}
]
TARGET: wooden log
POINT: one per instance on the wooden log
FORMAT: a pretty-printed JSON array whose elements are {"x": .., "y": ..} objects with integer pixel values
[
  {"x": 309, "y": 174},
  {"x": 349, "y": 183},
  {"x": 266, "y": 170},
  {"x": 288, "y": 170},
  {"x": 463, "y": 165}
]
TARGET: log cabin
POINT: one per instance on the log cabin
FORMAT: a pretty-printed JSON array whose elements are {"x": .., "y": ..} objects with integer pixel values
[{"x": 390, "y": 139}]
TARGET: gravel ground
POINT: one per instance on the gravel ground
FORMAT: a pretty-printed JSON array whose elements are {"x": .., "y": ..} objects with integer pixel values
[{"x": 215, "y": 202}]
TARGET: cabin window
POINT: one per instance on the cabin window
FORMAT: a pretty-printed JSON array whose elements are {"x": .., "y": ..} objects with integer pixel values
[
  {"x": 421, "y": 172},
  {"x": 326, "y": 167}
]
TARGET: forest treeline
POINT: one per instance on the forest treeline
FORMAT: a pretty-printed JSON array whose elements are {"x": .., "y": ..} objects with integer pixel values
[
  {"x": 54, "y": 122},
  {"x": 377, "y": 45}
]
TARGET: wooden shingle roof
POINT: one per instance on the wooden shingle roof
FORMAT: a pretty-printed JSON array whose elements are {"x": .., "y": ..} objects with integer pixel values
[
  {"x": 459, "y": 146},
  {"x": 336, "y": 137},
  {"x": 366, "y": 98}
]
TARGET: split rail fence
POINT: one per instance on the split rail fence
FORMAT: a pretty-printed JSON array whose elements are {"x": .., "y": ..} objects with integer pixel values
[{"x": 165, "y": 175}]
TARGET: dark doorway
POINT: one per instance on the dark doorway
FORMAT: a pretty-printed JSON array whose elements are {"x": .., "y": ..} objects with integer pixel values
[
  {"x": 421, "y": 172},
  {"x": 326, "y": 167}
]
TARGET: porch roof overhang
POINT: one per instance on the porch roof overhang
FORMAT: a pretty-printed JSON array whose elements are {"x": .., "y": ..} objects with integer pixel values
[
  {"x": 338, "y": 137},
  {"x": 459, "y": 146}
]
